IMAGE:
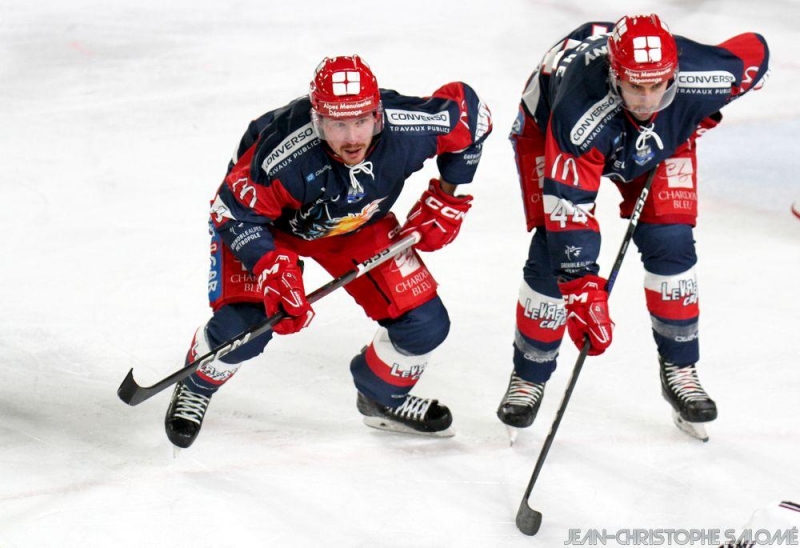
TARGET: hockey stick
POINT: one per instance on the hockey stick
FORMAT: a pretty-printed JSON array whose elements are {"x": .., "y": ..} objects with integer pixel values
[
  {"x": 528, "y": 519},
  {"x": 131, "y": 393}
]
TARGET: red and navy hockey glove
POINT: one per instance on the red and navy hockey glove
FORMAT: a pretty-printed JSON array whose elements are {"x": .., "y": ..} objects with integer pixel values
[
  {"x": 437, "y": 217},
  {"x": 586, "y": 301},
  {"x": 280, "y": 278}
]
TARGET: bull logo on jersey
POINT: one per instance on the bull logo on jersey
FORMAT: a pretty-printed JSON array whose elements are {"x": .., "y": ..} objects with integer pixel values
[{"x": 316, "y": 222}]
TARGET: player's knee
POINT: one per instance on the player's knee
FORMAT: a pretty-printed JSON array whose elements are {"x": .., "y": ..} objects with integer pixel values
[
  {"x": 420, "y": 330},
  {"x": 232, "y": 320},
  {"x": 666, "y": 249}
]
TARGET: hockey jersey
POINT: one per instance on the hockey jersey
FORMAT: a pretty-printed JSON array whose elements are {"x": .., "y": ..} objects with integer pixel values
[
  {"x": 284, "y": 178},
  {"x": 588, "y": 134}
]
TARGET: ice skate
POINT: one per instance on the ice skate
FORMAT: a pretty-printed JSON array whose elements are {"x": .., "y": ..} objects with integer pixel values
[
  {"x": 692, "y": 407},
  {"x": 520, "y": 405},
  {"x": 414, "y": 416},
  {"x": 185, "y": 416}
]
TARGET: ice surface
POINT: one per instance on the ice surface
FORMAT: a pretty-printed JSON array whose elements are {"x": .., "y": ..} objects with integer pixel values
[{"x": 118, "y": 119}]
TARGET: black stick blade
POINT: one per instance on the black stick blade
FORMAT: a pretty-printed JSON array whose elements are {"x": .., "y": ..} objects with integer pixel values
[
  {"x": 528, "y": 519},
  {"x": 129, "y": 390}
]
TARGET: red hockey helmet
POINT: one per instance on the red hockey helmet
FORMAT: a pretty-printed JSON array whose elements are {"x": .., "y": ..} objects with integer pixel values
[
  {"x": 344, "y": 87},
  {"x": 641, "y": 50}
]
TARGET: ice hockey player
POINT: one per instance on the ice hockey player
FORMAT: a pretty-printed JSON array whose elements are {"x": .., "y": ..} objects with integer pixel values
[
  {"x": 317, "y": 178},
  {"x": 617, "y": 100}
]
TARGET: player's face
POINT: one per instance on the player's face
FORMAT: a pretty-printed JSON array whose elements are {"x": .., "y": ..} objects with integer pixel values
[
  {"x": 642, "y": 100},
  {"x": 349, "y": 138}
]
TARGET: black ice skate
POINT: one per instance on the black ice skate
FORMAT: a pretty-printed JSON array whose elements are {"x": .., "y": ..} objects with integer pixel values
[
  {"x": 414, "y": 416},
  {"x": 185, "y": 416},
  {"x": 681, "y": 387},
  {"x": 520, "y": 404}
]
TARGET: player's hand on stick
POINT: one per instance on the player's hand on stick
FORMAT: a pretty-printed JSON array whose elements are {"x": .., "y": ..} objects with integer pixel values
[
  {"x": 586, "y": 302},
  {"x": 280, "y": 279}
]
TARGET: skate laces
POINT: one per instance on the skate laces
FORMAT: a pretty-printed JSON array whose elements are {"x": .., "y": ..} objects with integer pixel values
[
  {"x": 191, "y": 406},
  {"x": 684, "y": 382},
  {"x": 413, "y": 408},
  {"x": 522, "y": 392}
]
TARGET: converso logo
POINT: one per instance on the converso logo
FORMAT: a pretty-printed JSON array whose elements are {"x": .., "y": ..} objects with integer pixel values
[{"x": 411, "y": 118}]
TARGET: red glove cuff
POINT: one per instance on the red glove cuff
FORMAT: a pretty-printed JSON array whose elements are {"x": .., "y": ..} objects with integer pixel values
[
  {"x": 463, "y": 202},
  {"x": 590, "y": 282}
]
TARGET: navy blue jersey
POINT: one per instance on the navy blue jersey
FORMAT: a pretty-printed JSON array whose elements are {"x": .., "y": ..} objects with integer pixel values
[
  {"x": 588, "y": 134},
  {"x": 285, "y": 178}
]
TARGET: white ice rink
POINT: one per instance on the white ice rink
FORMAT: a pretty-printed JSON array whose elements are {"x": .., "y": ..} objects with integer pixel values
[{"x": 117, "y": 120}]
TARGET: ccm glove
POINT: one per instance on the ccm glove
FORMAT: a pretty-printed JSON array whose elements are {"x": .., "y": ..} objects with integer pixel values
[
  {"x": 281, "y": 282},
  {"x": 437, "y": 217},
  {"x": 586, "y": 302}
]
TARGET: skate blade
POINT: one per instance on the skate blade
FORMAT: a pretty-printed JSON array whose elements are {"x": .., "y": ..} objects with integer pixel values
[
  {"x": 696, "y": 430},
  {"x": 175, "y": 451},
  {"x": 392, "y": 426},
  {"x": 512, "y": 432}
]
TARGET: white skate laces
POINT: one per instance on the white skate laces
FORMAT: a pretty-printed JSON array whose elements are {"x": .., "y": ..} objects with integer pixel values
[
  {"x": 413, "y": 408},
  {"x": 522, "y": 392},
  {"x": 190, "y": 406},
  {"x": 684, "y": 383}
]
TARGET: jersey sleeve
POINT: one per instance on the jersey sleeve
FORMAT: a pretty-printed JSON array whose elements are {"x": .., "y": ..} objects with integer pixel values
[
  {"x": 459, "y": 151},
  {"x": 525, "y": 137},
  {"x": 243, "y": 210},
  {"x": 571, "y": 183},
  {"x": 534, "y": 112},
  {"x": 752, "y": 50}
]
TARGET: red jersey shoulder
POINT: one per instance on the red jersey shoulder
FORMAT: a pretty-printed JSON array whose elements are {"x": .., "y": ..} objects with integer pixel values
[{"x": 751, "y": 48}]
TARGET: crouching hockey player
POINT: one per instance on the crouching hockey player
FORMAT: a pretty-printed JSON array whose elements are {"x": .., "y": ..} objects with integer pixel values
[
  {"x": 618, "y": 101},
  {"x": 317, "y": 178}
]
